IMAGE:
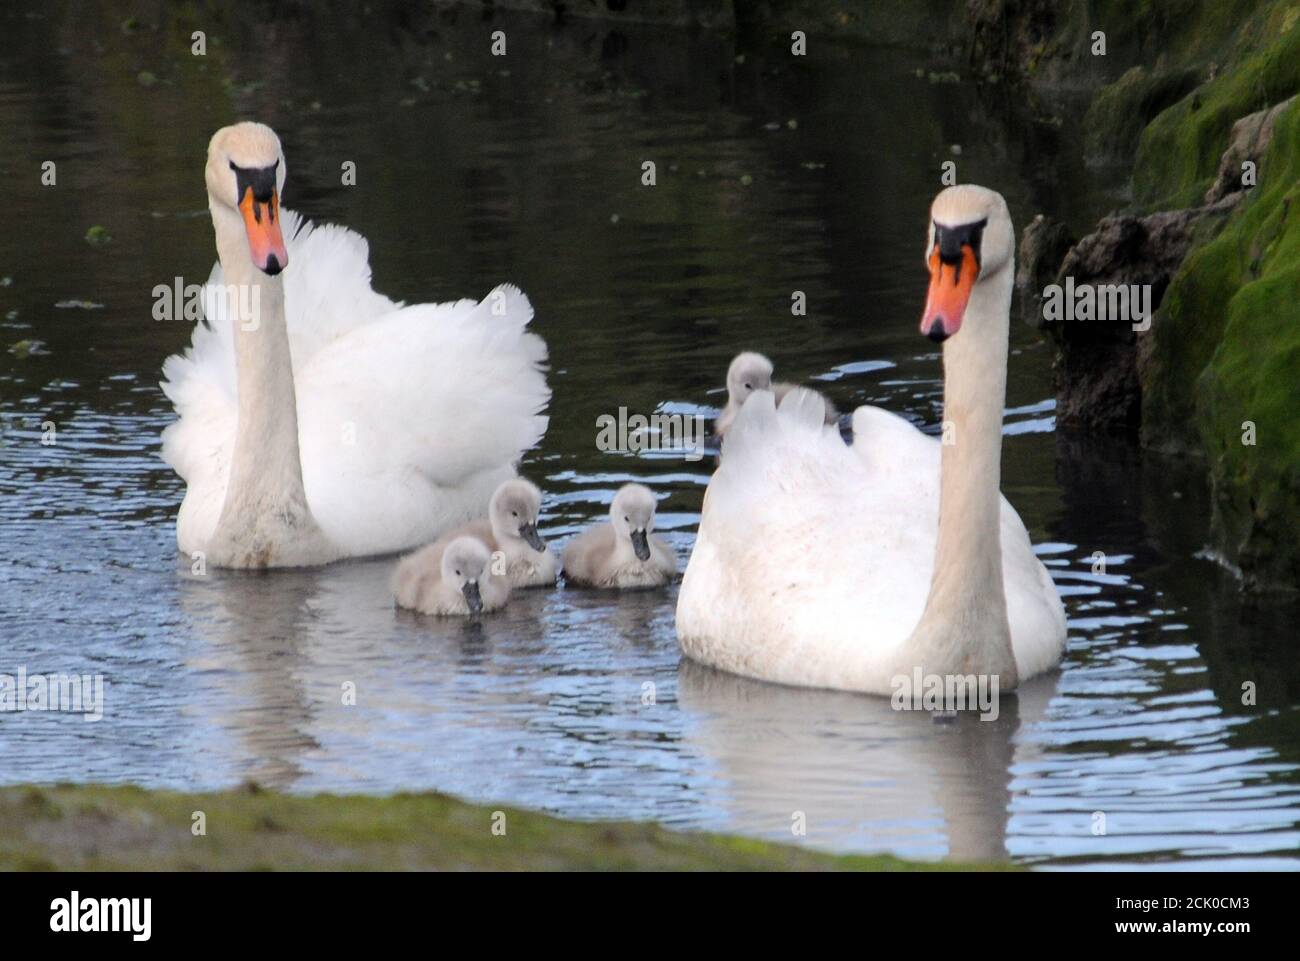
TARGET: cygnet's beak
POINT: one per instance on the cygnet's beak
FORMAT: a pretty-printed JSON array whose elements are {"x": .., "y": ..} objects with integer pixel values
[
  {"x": 641, "y": 545},
  {"x": 534, "y": 540},
  {"x": 472, "y": 597}
]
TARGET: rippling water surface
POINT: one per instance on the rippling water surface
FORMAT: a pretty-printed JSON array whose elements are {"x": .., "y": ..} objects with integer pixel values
[{"x": 772, "y": 177}]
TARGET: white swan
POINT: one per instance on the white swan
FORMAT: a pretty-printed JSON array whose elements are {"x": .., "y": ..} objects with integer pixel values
[
  {"x": 750, "y": 372},
  {"x": 824, "y": 565},
  {"x": 319, "y": 419},
  {"x": 622, "y": 553},
  {"x": 457, "y": 580}
]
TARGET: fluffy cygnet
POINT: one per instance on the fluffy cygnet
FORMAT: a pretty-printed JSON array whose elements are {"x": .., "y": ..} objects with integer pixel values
[
  {"x": 450, "y": 579},
  {"x": 622, "y": 552}
]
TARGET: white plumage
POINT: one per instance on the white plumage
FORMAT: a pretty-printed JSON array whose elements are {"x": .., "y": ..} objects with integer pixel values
[
  {"x": 825, "y": 565},
  {"x": 814, "y": 558},
  {"x": 408, "y": 416}
]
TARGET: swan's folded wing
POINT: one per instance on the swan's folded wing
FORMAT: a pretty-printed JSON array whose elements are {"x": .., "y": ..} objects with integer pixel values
[
  {"x": 417, "y": 416},
  {"x": 1034, "y": 607},
  {"x": 201, "y": 384},
  {"x": 327, "y": 292},
  {"x": 814, "y": 559},
  {"x": 766, "y": 592}
]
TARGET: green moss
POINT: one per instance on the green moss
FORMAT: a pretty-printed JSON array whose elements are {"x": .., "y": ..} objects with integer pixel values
[
  {"x": 1251, "y": 377},
  {"x": 1224, "y": 349},
  {"x": 1120, "y": 112},
  {"x": 1225, "y": 355},
  {"x": 125, "y": 828},
  {"x": 1179, "y": 152}
]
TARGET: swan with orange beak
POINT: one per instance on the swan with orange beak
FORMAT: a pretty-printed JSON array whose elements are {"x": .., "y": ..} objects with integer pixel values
[
  {"x": 852, "y": 567},
  {"x": 436, "y": 402}
]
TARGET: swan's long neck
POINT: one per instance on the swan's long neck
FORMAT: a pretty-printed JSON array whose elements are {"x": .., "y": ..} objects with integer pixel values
[
  {"x": 265, "y": 519},
  {"x": 964, "y": 628}
]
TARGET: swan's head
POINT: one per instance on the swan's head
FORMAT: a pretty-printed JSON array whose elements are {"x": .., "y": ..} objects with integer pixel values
[
  {"x": 464, "y": 564},
  {"x": 970, "y": 241},
  {"x": 633, "y": 514},
  {"x": 245, "y": 173},
  {"x": 748, "y": 372},
  {"x": 513, "y": 512}
]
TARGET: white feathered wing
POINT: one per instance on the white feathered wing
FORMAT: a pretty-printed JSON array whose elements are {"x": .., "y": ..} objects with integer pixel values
[
  {"x": 813, "y": 560},
  {"x": 408, "y": 417}
]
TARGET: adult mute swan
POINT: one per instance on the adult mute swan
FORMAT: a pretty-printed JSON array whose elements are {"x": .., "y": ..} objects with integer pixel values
[
  {"x": 317, "y": 418},
  {"x": 824, "y": 565}
]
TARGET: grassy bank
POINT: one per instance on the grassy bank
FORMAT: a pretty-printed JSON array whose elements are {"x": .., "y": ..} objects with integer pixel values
[{"x": 86, "y": 827}]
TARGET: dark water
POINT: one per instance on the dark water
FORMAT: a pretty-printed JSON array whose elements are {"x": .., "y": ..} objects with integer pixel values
[{"x": 773, "y": 176}]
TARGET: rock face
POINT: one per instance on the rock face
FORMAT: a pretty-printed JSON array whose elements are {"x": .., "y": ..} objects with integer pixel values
[
  {"x": 1250, "y": 138},
  {"x": 1215, "y": 375},
  {"x": 1043, "y": 245},
  {"x": 1097, "y": 370}
]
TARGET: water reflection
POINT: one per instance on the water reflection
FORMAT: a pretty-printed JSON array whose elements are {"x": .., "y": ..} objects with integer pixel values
[{"x": 855, "y": 768}]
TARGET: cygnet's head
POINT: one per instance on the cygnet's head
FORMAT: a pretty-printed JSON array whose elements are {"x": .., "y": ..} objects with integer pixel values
[
  {"x": 464, "y": 564},
  {"x": 748, "y": 372},
  {"x": 633, "y": 515},
  {"x": 245, "y": 175},
  {"x": 513, "y": 512}
]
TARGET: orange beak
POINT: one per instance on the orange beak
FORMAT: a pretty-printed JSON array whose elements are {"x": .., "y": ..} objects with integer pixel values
[
  {"x": 262, "y": 222},
  {"x": 950, "y": 287}
]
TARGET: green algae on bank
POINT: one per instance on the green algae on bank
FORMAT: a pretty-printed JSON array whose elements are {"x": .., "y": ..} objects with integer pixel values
[
  {"x": 1238, "y": 301},
  {"x": 1179, "y": 151},
  {"x": 1226, "y": 343},
  {"x": 1218, "y": 368},
  {"x": 101, "y": 828}
]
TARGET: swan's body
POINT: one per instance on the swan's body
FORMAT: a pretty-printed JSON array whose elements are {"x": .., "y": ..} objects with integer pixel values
[
  {"x": 750, "y": 372},
  {"x": 337, "y": 423},
  {"x": 825, "y": 565},
  {"x": 455, "y": 580},
  {"x": 621, "y": 553},
  {"x": 510, "y": 529}
]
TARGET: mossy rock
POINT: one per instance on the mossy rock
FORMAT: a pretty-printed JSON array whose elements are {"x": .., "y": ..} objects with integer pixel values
[
  {"x": 1120, "y": 112},
  {"x": 1224, "y": 357},
  {"x": 1178, "y": 154},
  {"x": 1252, "y": 377}
]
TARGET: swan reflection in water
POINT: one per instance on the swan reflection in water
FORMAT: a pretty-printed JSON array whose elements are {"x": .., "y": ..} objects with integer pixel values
[
  {"x": 475, "y": 707},
  {"x": 780, "y": 750}
]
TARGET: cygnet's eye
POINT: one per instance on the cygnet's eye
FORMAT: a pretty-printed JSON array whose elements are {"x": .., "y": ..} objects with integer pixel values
[
  {"x": 748, "y": 387},
  {"x": 458, "y": 573},
  {"x": 626, "y": 519}
]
